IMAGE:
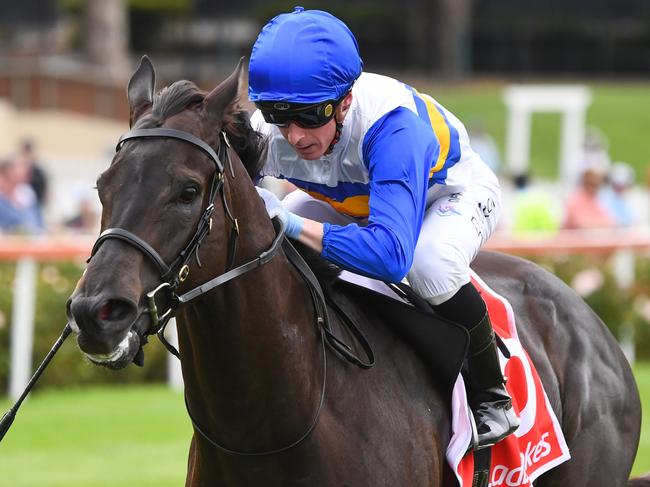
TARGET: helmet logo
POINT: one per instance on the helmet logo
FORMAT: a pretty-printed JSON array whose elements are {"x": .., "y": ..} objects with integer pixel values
[
  {"x": 327, "y": 111},
  {"x": 281, "y": 106}
]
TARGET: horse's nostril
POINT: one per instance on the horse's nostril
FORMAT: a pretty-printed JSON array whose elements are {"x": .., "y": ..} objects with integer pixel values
[
  {"x": 104, "y": 312},
  {"x": 115, "y": 310}
]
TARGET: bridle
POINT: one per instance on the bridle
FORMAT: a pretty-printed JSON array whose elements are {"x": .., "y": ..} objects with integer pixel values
[
  {"x": 172, "y": 275},
  {"x": 161, "y": 309}
]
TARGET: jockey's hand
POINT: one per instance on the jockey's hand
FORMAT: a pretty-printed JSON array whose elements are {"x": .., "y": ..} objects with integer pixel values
[{"x": 292, "y": 223}]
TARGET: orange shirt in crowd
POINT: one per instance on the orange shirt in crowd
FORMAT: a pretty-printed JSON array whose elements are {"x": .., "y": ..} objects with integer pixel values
[{"x": 584, "y": 210}]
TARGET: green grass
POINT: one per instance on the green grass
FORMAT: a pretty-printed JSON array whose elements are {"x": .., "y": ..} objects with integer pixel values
[
  {"x": 99, "y": 437},
  {"x": 132, "y": 435},
  {"x": 642, "y": 464},
  {"x": 619, "y": 110}
]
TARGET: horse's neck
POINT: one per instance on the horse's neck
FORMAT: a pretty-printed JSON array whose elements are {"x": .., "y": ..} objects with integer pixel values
[{"x": 251, "y": 355}]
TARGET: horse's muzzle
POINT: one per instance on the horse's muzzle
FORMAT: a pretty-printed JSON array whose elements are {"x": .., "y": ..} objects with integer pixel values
[{"x": 106, "y": 328}]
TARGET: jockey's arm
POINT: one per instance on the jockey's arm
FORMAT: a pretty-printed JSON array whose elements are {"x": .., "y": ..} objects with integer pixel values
[
  {"x": 312, "y": 234},
  {"x": 398, "y": 149}
]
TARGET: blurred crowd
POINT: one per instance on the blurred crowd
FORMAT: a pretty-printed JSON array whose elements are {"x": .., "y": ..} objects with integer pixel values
[
  {"x": 24, "y": 196},
  {"x": 23, "y": 192},
  {"x": 600, "y": 199},
  {"x": 605, "y": 195}
]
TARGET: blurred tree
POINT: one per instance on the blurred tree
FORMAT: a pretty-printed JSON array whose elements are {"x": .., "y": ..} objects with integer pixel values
[
  {"x": 28, "y": 12},
  {"x": 437, "y": 36},
  {"x": 106, "y": 34},
  {"x": 418, "y": 32},
  {"x": 452, "y": 29}
]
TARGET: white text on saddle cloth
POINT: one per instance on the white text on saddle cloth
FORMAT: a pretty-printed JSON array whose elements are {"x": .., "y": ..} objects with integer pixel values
[{"x": 538, "y": 445}]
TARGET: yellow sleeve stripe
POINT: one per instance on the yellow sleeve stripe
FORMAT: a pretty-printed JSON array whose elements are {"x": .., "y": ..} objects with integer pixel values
[{"x": 440, "y": 128}]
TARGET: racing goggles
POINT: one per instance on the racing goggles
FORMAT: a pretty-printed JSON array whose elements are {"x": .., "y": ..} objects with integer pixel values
[{"x": 309, "y": 116}]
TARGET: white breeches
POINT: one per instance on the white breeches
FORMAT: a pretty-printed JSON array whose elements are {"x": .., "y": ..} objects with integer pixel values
[{"x": 455, "y": 226}]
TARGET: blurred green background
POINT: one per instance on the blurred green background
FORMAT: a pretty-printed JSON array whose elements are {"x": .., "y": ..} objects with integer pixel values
[{"x": 619, "y": 110}]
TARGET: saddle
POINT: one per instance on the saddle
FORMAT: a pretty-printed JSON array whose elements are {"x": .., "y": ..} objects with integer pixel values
[{"x": 440, "y": 343}]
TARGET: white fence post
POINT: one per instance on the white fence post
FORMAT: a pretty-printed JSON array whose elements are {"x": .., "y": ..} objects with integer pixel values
[
  {"x": 174, "y": 373},
  {"x": 623, "y": 266},
  {"x": 523, "y": 100},
  {"x": 22, "y": 326}
]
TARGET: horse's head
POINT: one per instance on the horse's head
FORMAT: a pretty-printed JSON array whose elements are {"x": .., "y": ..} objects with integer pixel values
[{"x": 157, "y": 197}]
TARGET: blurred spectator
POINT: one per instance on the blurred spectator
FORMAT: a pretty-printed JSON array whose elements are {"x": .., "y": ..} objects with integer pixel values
[
  {"x": 615, "y": 195},
  {"x": 584, "y": 208},
  {"x": 484, "y": 145},
  {"x": 85, "y": 218},
  {"x": 36, "y": 175},
  {"x": 595, "y": 153},
  {"x": 18, "y": 204},
  {"x": 534, "y": 211}
]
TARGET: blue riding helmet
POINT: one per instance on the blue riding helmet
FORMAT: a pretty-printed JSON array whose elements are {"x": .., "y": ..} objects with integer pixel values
[{"x": 303, "y": 57}]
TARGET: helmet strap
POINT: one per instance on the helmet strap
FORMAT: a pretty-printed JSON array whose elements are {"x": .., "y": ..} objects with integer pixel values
[{"x": 337, "y": 137}]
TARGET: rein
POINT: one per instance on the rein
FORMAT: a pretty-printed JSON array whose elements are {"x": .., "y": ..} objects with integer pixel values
[{"x": 174, "y": 274}]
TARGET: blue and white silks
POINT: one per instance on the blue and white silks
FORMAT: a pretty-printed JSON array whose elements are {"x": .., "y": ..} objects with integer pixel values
[{"x": 399, "y": 151}]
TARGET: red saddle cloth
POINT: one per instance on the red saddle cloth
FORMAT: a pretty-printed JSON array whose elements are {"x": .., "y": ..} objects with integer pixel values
[{"x": 538, "y": 445}]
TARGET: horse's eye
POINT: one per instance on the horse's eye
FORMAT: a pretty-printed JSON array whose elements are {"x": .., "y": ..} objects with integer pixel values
[{"x": 188, "y": 194}]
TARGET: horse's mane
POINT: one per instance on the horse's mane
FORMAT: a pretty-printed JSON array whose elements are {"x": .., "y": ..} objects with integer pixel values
[
  {"x": 325, "y": 271},
  {"x": 248, "y": 143}
]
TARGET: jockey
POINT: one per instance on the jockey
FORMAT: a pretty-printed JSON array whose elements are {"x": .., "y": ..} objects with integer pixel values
[{"x": 390, "y": 185}]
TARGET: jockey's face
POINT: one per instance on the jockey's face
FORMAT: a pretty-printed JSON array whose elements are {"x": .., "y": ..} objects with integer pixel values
[{"x": 312, "y": 143}]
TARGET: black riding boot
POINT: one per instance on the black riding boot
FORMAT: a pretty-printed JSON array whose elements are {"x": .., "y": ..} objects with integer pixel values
[{"x": 493, "y": 412}]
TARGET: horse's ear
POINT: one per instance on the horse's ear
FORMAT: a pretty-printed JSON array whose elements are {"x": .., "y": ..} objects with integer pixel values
[
  {"x": 226, "y": 93},
  {"x": 140, "y": 89}
]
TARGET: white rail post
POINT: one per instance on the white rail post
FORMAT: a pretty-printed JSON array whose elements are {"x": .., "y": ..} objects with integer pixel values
[
  {"x": 518, "y": 139},
  {"x": 174, "y": 373},
  {"x": 623, "y": 266},
  {"x": 523, "y": 100},
  {"x": 22, "y": 326}
]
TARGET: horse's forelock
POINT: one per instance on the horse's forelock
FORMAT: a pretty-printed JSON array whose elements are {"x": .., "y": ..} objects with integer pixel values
[{"x": 169, "y": 101}]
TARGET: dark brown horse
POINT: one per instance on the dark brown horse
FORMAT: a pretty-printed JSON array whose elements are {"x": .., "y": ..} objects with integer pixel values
[{"x": 252, "y": 355}]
